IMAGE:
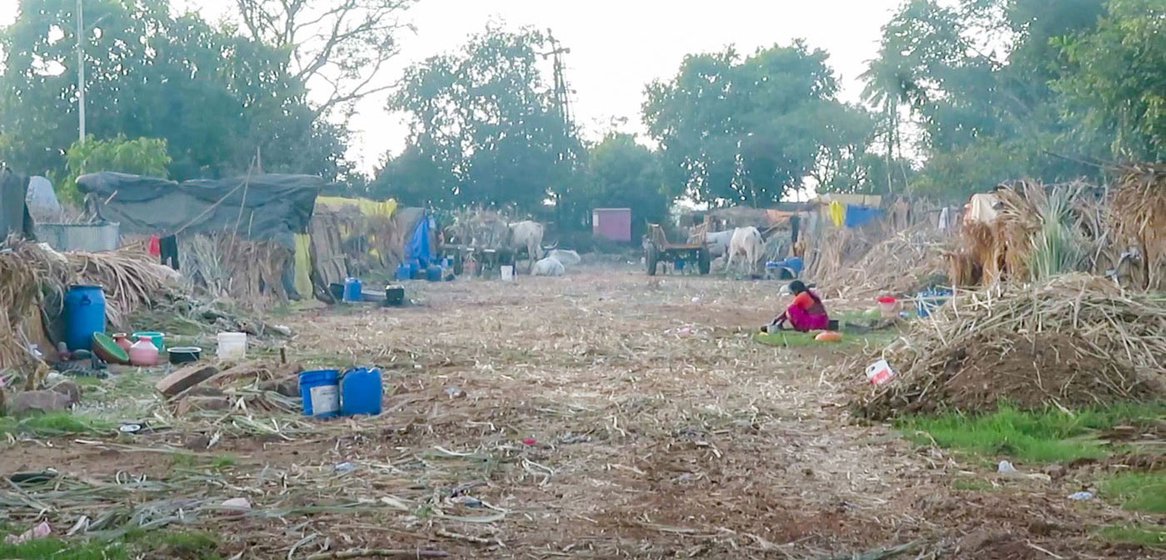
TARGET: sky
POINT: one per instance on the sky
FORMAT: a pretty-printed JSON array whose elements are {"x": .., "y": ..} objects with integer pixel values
[{"x": 617, "y": 46}]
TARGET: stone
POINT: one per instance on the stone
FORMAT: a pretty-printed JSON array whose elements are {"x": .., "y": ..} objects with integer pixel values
[
  {"x": 197, "y": 404},
  {"x": 29, "y": 402},
  {"x": 237, "y": 505},
  {"x": 184, "y": 379},
  {"x": 70, "y": 388}
]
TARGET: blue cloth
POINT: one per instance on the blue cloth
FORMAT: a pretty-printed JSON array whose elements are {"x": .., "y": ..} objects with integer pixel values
[
  {"x": 419, "y": 248},
  {"x": 858, "y": 216}
]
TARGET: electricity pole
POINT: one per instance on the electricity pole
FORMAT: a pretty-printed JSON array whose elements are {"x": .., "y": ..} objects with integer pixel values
[{"x": 80, "y": 73}]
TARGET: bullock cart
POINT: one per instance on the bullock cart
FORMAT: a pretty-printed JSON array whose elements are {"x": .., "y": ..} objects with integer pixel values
[{"x": 659, "y": 250}]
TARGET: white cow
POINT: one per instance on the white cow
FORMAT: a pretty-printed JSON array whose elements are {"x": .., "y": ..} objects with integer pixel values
[
  {"x": 565, "y": 256},
  {"x": 527, "y": 235},
  {"x": 718, "y": 242},
  {"x": 549, "y": 266},
  {"x": 746, "y": 242}
]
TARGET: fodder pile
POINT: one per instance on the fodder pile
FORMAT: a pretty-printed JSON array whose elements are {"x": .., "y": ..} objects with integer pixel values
[
  {"x": 1075, "y": 340},
  {"x": 903, "y": 263},
  {"x": 223, "y": 265},
  {"x": 1139, "y": 219},
  {"x": 1039, "y": 231}
]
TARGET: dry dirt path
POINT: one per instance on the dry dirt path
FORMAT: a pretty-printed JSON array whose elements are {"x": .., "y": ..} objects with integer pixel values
[{"x": 600, "y": 415}]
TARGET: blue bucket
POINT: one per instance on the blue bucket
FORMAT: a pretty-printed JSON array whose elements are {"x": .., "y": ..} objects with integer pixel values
[
  {"x": 320, "y": 390},
  {"x": 352, "y": 290},
  {"x": 404, "y": 272}
]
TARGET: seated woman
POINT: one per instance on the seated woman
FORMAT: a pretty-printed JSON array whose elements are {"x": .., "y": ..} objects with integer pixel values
[{"x": 806, "y": 313}]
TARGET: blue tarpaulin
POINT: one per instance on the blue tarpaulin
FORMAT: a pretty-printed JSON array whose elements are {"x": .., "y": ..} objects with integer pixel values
[
  {"x": 419, "y": 247},
  {"x": 858, "y": 216}
]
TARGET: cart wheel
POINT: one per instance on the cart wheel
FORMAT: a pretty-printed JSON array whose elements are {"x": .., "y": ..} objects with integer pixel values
[
  {"x": 652, "y": 260},
  {"x": 458, "y": 264},
  {"x": 703, "y": 262}
]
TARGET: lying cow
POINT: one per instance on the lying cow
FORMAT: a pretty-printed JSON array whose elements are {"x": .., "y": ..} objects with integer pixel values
[
  {"x": 748, "y": 243},
  {"x": 567, "y": 257},
  {"x": 549, "y": 266}
]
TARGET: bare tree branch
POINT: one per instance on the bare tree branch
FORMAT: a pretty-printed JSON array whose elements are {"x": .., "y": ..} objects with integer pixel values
[{"x": 342, "y": 43}]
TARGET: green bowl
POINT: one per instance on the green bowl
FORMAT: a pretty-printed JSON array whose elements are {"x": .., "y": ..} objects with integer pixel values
[{"x": 108, "y": 350}]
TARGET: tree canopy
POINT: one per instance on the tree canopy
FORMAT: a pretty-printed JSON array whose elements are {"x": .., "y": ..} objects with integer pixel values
[
  {"x": 217, "y": 98},
  {"x": 740, "y": 130},
  {"x": 1005, "y": 89},
  {"x": 484, "y": 127}
]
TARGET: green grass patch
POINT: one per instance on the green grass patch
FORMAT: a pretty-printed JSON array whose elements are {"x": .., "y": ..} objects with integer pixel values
[
  {"x": 1141, "y": 535},
  {"x": 1049, "y": 436},
  {"x": 1137, "y": 491},
  {"x": 794, "y": 339},
  {"x": 176, "y": 546},
  {"x": 53, "y": 424},
  {"x": 57, "y": 549}
]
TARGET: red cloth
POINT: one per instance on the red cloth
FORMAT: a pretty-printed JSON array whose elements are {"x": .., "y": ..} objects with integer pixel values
[
  {"x": 801, "y": 320},
  {"x": 155, "y": 246}
]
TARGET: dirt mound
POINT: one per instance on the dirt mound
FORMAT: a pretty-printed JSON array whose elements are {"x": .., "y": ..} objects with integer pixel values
[{"x": 1075, "y": 341}]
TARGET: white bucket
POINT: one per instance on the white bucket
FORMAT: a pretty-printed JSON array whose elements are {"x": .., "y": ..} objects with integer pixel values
[
  {"x": 232, "y": 345},
  {"x": 507, "y": 273}
]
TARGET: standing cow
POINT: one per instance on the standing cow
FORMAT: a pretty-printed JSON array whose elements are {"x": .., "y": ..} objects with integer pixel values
[
  {"x": 748, "y": 243},
  {"x": 526, "y": 235}
]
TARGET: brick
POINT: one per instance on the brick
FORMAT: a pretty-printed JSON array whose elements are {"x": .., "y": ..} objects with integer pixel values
[{"x": 184, "y": 379}]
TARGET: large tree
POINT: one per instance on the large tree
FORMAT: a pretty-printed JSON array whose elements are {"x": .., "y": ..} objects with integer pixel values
[
  {"x": 620, "y": 173},
  {"x": 976, "y": 79},
  {"x": 217, "y": 99},
  {"x": 484, "y": 125},
  {"x": 734, "y": 130},
  {"x": 1116, "y": 84}
]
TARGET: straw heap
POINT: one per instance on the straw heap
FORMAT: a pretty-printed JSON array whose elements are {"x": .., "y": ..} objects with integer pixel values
[{"x": 1075, "y": 340}]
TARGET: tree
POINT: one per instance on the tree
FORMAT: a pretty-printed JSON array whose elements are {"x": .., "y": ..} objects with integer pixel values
[
  {"x": 485, "y": 124},
  {"x": 144, "y": 156},
  {"x": 339, "y": 46},
  {"x": 621, "y": 173},
  {"x": 734, "y": 130},
  {"x": 975, "y": 78},
  {"x": 216, "y": 98},
  {"x": 1117, "y": 82}
]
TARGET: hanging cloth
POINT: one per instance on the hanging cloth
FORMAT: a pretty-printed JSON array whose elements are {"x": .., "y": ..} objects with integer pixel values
[{"x": 837, "y": 213}]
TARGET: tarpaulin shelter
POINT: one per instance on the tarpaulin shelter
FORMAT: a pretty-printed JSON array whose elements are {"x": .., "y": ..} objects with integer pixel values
[
  {"x": 259, "y": 208},
  {"x": 420, "y": 244},
  {"x": 234, "y": 236},
  {"x": 354, "y": 236}
]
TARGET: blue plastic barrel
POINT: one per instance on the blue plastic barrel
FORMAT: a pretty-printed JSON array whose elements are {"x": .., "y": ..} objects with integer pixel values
[
  {"x": 320, "y": 390},
  {"x": 361, "y": 391},
  {"x": 84, "y": 315},
  {"x": 433, "y": 273},
  {"x": 352, "y": 290}
]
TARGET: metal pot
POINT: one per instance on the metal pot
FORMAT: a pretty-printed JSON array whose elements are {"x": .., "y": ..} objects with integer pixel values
[{"x": 185, "y": 354}]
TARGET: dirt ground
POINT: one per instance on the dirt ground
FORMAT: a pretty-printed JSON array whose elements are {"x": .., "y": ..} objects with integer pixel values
[{"x": 605, "y": 414}]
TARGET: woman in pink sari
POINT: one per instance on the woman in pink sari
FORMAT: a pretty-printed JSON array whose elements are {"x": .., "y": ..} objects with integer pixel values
[{"x": 805, "y": 314}]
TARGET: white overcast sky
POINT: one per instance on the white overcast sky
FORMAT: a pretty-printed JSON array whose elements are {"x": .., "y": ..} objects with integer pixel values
[{"x": 617, "y": 46}]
